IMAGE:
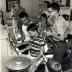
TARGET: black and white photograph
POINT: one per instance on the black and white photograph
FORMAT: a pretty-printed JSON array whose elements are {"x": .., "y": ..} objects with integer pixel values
[{"x": 35, "y": 35}]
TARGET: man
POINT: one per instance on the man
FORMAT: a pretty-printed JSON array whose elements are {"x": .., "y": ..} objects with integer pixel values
[{"x": 58, "y": 31}]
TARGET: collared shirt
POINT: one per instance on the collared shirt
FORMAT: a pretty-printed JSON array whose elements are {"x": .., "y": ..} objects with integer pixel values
[{"x": 59, "y": 27}]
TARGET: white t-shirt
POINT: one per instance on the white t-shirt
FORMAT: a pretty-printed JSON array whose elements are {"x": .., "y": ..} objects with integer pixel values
[{"x": 27, "y": 36}]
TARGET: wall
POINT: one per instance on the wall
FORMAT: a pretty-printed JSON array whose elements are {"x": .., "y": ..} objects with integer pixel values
[
  {"x": 65, "y": 10},
  {"x": 3, "y": 5},
  {"x": 31, "y": 7},
  {"x": 27, "y": 5}
]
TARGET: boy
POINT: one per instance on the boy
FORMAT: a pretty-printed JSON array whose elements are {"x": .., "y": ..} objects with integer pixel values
[
  {"x": 22, "y": 25},
  {"x": 36, "y": 45},
  {"x": 43, "y": 25},
  {"x": 58, "y": 32}
]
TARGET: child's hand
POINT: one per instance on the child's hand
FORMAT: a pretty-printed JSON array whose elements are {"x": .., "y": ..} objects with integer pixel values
[
  {"x": 34, "y": 68},
  {"x": 49, "y": 33}
]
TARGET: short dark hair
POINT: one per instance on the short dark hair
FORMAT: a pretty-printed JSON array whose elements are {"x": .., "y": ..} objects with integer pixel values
[
  {"x": 54, "y": 6},
  {"x": 16, "y": 1},
  {"x": 23, "y": 14},
  {"x": 43, "y": 15},
  {"x": 32, "y": 27},
  {"x": 47, "y": 2}
]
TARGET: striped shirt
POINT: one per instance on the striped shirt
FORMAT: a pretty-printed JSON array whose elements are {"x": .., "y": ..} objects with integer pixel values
[{"x": 36, "y": 45}]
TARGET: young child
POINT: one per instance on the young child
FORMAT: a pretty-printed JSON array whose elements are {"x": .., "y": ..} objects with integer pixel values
[
  {"x": 36, "y": 45},
  {"x": 22, "y": 26},
  {"x": 43, "y": 25},
  {"x": 59, "y": 33}
]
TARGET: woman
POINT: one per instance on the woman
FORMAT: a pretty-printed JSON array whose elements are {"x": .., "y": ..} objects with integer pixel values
[{"x": 5, "y": 45}]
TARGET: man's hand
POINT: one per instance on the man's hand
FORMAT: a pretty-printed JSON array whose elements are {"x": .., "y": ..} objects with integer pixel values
[{"x": 48, "y": 33}]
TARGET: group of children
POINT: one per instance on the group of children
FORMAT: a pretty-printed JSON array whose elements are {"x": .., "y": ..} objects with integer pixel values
[{"x": 52, "y": 25}]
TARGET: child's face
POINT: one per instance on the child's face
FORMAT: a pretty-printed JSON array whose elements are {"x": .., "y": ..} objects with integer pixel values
[
  {"x": 44, "y": 6},
  {"x": 24, "y": 20},
  {"x": 16, "y": 5},
  {"x": 43, "y": 19},
  {"x": 52, "y": 12},
  {"x": 32, "y": 33}
]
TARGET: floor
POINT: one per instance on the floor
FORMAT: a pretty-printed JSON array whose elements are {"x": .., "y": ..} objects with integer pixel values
[{"x": 67, "y": 66}]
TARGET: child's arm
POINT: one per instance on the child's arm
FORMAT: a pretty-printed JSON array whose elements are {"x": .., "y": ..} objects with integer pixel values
[
  {"x": 23, "y": 50},
  {"x": 22, "y": 38},
  {"x": 39, "y": 56}
]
